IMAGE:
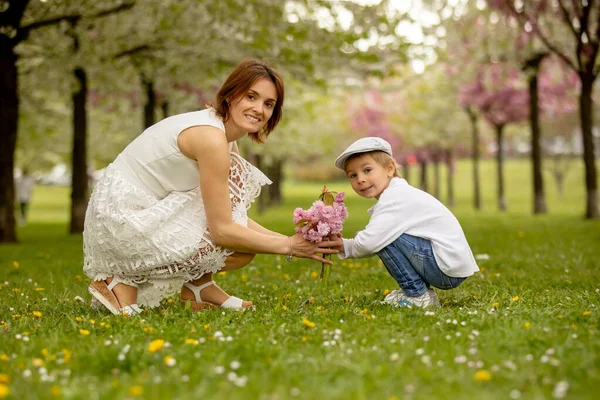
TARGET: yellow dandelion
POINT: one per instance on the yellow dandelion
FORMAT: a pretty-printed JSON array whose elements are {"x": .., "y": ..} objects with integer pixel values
[
  {"x": 78, "y": 319},
  {"x": 169, "y": 361},
  {"x": 102, "y": 323},
  {"x": 4, "y": 379},
  {"x": 55, "y": 391},
  {"x": 560, "y": 316},
  {"x": 527, "y": 324},
  {"x": 515, "y": 298},
  {"x": 244, "y": 278},
  {"x": 136, "y": 390},
  {"x": 4, "y": 391},
  {"x": 364, "y": 311},
  {"x": 304, "y": 339},
  {"x": 286, "y": 277},
  {"x": 39, "y": 289},
  {"x": 16, "y": 290},
  {"x": 574, "y": 326},
  {"x": 92, "y": 321},
  {"x": 193, "y": 342},
  {"x": 386, "y": 292},
  {"x": 311, "y": 300},
  {"x": 223, "y": 273},
  {"x": 346, "y": 299},
  {"x": 495, "y": 304},
  {"x": 482, "y": 375},
  {"x": 37, "y": 363},
  {"x": 206, "y": 327},
  {"x": 3, "y": 357},
  {"x": 66, "y": 355},
  {"x": 314, "y": 274},
  {"x": 586, "y": 313},
  {"x": 287, "y": 296},
  {"x": 148, "y": 329},
  {"x": 482, "y": 269},
  {"x": 44, "y": 352},
  {"x": 84, "y": 332},
  {"x": 283, "y": 307},
  {"x": 319, "y": 308},
  {"x": 16, "y": 264},
  {"x": 307, "y": 323},
  {"x": 156, "y": 345},
  {"x": 16, "y": 316}
]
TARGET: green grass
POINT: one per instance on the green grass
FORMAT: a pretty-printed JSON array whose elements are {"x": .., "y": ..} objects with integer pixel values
[{"x": 529, "y": 319}]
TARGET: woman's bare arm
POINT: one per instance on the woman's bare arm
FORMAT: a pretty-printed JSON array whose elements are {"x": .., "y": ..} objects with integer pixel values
[{"x": 209, "y": 147}]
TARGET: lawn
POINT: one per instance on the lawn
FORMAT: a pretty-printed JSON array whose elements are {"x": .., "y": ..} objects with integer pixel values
[{"x": 525, "y": 327}]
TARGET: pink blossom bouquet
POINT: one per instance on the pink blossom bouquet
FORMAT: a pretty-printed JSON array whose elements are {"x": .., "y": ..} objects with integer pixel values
[{"x": 325, "y": 217}]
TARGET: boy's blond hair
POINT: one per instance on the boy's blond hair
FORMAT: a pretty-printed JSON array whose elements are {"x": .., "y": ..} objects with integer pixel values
[{"x": 382, "y": 158}]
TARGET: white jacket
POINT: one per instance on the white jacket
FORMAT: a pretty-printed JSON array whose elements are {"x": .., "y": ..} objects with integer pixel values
[{"x": 404, "y": 209}]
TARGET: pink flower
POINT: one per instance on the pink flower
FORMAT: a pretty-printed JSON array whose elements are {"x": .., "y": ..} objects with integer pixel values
[{"x": 324, "y": 217}]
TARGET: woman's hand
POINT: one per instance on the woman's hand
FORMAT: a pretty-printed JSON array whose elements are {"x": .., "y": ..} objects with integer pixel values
[{"x": 306, "y": 249}]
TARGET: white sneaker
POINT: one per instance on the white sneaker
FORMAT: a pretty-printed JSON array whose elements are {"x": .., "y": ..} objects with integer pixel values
[
  {"x": 427, "y": 299},
  {"x": 393, "y": 297},
  {"x": 434, "y": 297}
]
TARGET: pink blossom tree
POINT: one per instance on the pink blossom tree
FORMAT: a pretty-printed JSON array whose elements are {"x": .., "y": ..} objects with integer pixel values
[
  {"x": 571, "y": 30},
  {"x": 499, "y": 96}
]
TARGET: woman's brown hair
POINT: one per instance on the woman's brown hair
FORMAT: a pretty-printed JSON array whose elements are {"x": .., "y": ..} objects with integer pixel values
[{"x": 237, "y": 84}]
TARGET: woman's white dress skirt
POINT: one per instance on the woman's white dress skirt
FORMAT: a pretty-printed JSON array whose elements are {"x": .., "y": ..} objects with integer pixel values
[{"x": 158, "y": 244}]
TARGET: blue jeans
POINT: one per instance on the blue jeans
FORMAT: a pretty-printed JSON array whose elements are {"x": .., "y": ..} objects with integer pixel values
[{"x": 410, "y": 261}]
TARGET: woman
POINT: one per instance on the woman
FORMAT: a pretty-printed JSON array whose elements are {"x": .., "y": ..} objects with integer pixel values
[{"x": 171, "y": 209}]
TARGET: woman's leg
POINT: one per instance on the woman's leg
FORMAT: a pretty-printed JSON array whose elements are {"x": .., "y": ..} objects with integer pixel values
[
  {"x": 125, "y": 294},
  {"x": 213, "y": 293}
]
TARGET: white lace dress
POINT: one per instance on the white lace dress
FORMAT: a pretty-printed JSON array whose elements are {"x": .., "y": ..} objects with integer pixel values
[{"x": 158, "y": 243}]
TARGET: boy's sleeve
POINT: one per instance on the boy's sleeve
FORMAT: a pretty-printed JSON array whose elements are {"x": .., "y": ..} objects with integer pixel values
[
  {"x": 347, "y": 249},
  {"x": 386, "y": 224}
]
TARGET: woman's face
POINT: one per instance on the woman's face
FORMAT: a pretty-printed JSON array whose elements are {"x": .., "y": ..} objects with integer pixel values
[{"x": 251, "y": 112}]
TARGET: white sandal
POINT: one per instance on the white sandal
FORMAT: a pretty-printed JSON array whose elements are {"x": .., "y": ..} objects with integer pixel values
[
  {"x": 232, "y": 303},
  {"x": 103, "y": 293}
]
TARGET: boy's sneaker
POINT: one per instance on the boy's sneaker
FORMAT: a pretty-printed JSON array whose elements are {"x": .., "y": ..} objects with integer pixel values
[
  {"x": 398, "y": 298},
  {"x": 427, "y": 299},
  {"x": 394, "y": 297},
  {"x": 434, "y": 297}
]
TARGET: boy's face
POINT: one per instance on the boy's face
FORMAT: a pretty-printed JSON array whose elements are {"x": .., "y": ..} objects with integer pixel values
[{"x": 369, "y": 178}]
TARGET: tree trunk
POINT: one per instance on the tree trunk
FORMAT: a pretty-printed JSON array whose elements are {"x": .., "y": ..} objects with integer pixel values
[
  {"x": 450, "y": 177},
  {"x": 9, "y": 117},
  {"x": 500, "y": 166},
  {"x": 587, "y": 119},
  {"x": 150, "y": 103},
  {"x": 436, "y": 176},
  {"x": 275, "y": 173},
  {"x": 423, "y": 182},
  {"x": 406, "y": 172},
  {"x": 559, "y": 179},
  {"x": 263, "y": 199},
  {"x": 539, "y": 200},
  {"x": 79, "y": 158},
  {"x": 475, "y": 155}
]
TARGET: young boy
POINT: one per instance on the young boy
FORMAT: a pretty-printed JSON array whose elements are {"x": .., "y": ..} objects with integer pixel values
[{"x": 417, "y": 238}]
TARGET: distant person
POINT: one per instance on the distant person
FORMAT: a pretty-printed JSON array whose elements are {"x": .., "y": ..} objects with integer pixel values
[
  {"x": 171, "y": 210},
  {"x": 417, "y": 238},
  {"x": 24, "y": 187}
]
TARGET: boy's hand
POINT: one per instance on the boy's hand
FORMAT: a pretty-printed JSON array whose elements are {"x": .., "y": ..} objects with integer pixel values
[{"x": 337, "y": 238}]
